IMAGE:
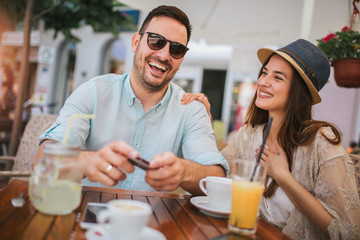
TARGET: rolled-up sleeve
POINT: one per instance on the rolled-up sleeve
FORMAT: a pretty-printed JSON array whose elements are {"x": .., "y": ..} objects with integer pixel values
[
  {"x": 79, "y": 102},
  {"x": 199, "y": 143}
]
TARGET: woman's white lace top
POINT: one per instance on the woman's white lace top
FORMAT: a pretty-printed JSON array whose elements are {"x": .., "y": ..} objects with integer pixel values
[{"x": 322, "y": 168}]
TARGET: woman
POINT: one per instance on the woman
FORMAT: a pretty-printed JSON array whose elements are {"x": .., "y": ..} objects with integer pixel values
[{"x": 310, "y": 190}]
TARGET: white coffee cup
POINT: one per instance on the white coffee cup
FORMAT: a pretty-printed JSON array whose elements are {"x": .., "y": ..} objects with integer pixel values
[
  {"x": 125, "y": 219},
  {"x": 218, "y": 190}
]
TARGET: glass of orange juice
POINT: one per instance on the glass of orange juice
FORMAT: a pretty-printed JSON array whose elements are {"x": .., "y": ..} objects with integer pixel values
[{"x": 247, "y": 189}]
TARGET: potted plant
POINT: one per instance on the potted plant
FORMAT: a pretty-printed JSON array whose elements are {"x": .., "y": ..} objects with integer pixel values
[{"x": 343, "y": 51}]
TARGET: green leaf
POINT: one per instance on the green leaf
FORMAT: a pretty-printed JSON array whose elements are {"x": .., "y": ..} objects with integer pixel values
[
  {"x": 65, "y": 15},
  {"x": 346, "y": 44}
]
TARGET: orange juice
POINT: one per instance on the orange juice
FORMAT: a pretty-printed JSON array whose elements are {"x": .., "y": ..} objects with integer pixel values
[{"x": 246, "y": 198}]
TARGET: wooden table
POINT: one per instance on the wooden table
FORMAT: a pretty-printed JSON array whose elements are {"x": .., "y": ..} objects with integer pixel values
[{"x": 173, "y": 215}]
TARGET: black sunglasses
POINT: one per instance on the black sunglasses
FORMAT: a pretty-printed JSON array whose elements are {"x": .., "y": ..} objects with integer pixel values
[{"x": 157, "y": 42}]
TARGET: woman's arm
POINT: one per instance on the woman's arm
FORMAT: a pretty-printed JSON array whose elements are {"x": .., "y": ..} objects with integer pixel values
[
  {"x": 334, "y": 185},
  {"x": 304, "y": 201}
]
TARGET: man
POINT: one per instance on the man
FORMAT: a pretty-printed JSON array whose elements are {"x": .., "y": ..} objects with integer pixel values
[{"x": 141, "y": 114}]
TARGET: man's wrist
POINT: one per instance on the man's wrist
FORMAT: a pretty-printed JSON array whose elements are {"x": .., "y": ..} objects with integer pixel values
[
  {"x": 189, "y": 171},
  {"x": 84, "y": 157}
]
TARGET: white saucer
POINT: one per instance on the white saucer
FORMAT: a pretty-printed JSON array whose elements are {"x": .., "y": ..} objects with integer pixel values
[
  {"x": 202, "y": 203},
  {"x": 99, "y": 233}
]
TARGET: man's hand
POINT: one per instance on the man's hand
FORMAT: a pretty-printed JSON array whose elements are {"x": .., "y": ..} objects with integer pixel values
[
  {"x": 171, "y": 172},
  {"x": 168, "y": 172},
  {"x": 109, "y": 165}
]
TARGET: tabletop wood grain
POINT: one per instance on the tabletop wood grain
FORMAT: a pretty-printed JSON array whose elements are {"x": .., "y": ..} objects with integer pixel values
[{"x": 173, "y": 215}]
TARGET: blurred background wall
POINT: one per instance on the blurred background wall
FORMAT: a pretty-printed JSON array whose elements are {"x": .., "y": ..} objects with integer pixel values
[{"x": 221, "y": 62}]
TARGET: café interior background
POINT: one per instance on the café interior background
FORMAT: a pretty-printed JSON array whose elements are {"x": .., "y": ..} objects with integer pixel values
[{"x": 221, "y": 62}]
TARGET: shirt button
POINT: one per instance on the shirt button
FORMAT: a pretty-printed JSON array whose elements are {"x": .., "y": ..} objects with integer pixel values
[
  {"x": 136, "y": 144},
  {"x": 142, "y": 118}
]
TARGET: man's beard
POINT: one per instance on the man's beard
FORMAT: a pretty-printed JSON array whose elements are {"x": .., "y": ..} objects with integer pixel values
[{"x": 148, "y": 85}]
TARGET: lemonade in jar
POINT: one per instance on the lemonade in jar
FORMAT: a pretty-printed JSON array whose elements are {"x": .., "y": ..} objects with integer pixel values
[{"x": 55, "y": 183}]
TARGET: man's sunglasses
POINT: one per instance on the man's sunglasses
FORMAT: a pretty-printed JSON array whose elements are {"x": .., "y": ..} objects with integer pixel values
[{"x": 157, "y": 42}]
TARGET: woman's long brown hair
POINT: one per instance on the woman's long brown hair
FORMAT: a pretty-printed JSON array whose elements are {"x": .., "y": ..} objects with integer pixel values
[{"x": 298, "y": 127}]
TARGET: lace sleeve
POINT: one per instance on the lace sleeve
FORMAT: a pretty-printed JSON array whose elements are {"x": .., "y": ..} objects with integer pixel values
[{"x": 336, "y": 188}]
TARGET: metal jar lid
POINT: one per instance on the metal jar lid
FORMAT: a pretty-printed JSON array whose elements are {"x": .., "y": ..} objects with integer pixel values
[{"x": 58, "y": 148}]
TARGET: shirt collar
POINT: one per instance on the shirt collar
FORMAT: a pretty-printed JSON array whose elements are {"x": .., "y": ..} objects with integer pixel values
[
  {"x": 130, "y": 95},
  {"x": 165, "y": 100}
]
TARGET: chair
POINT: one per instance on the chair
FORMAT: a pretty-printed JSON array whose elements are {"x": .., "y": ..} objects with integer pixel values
[{"x": 21, "y": 165}]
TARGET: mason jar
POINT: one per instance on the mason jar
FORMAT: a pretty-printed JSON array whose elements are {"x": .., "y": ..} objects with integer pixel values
[{"x": 55, "y": 183}]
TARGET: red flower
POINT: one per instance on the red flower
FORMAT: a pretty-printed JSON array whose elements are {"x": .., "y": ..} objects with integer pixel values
[
  {"x": 346, "y": 28},
  {"x": 329, "y": 37}
]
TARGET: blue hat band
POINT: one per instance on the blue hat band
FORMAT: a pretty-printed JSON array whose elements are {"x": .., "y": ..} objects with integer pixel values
[{"x": 308, "y": 70}]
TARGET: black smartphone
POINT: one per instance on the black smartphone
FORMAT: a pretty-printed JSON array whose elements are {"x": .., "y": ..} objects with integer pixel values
[
  {"x": 89, "y": 216},
  {"x": 140, "y": 162}
]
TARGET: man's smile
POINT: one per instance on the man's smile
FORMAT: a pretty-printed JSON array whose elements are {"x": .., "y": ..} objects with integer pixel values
[{"x": 157, "y": 67}]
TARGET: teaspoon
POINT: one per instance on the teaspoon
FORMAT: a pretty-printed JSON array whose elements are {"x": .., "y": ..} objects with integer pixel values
[{"x": 19, "y": 201}]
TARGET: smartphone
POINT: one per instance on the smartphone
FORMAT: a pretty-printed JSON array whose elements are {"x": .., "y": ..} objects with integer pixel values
[
  {"x": 140, "y": 162},
  {"x": 89, "y": 217}
]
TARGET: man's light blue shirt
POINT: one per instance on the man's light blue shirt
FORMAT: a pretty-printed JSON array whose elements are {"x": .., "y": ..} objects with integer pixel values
[{"x": 184, "y": 130}]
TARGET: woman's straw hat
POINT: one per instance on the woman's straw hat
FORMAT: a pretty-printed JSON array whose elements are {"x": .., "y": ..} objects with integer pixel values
[{"x": 311, "y": 63}]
